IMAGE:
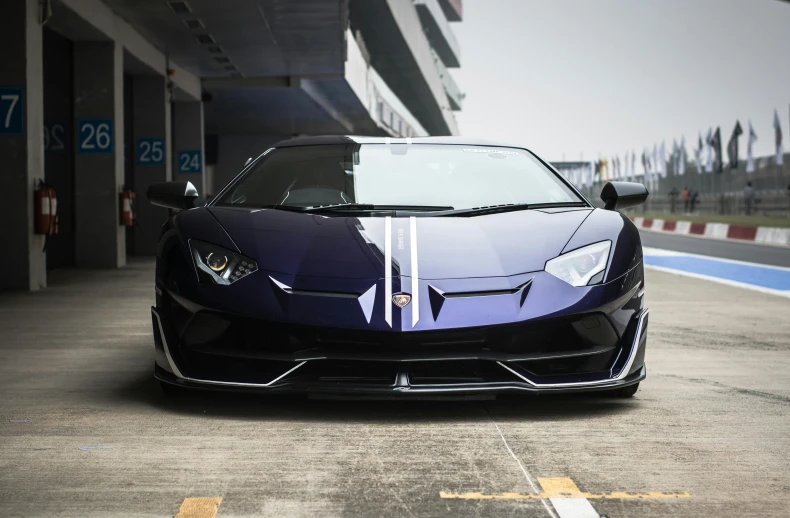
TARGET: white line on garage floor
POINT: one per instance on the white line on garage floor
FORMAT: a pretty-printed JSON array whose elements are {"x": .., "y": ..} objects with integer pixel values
[
  {"x": 523, "y": 469},
  {"x": 567, "y": 507}
]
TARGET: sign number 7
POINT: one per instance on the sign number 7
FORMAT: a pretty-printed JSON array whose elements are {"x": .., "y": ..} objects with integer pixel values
[
  {"x": 14, "y": 98},
  {"x": 11, "y": 112}
]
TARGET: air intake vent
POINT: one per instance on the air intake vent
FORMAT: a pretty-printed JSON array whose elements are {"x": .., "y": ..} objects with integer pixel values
[
  {"x": 214, "y": 49},
  {"x": 231, "y": 68},
  {"x": 222, "y": 59},
  {"x": 194, "y": 24},
  {"x": 206, "y": 39},
  {"x": 180, "y": 7}
]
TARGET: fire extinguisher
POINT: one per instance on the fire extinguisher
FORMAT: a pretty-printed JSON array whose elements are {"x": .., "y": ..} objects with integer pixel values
[
  {"x": 46, "y": 209},
  {"x": 127, "y": 207}
]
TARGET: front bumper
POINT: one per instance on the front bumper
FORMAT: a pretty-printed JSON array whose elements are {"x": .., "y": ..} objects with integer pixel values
[{"x": 405, "y": 373}]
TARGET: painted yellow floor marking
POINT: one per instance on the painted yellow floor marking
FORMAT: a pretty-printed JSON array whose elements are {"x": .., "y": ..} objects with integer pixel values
[
  {"x": 565, "y": 488},
  {"x": 199, "y": 508},
  {"x": 559, "y": 487}
]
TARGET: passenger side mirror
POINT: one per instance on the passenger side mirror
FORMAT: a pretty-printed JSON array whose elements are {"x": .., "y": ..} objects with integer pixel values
[
  {"x": 621, "y": 195},
  {"x": 173, "y": 195}
]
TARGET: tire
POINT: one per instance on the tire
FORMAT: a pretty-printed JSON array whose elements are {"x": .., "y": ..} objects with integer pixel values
[
  {"x": 624, "y": 392},
  {"x": 171, "y": 390}
]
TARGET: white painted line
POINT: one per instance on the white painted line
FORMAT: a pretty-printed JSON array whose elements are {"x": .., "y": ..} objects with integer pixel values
[
  {"x": 530, "y": 481},
  {"x": 663, "y": 252},
  {"x": 574, "y": 508},
  {"x": 736, "y": 284}
]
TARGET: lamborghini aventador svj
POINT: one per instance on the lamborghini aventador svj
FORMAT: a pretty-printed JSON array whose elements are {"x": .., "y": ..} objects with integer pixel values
[{"x": 399, "y": 267}]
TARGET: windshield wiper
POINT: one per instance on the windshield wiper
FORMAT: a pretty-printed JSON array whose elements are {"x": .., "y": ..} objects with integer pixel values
[
  {"x": 358, "y": 207},
  {"x": 510, "y": 207}
]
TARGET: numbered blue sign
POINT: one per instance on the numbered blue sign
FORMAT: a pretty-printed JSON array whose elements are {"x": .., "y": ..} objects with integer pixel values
[
  {"x": 190, "y": 162},
  {"x": 12, "y": 110},
  {"x": 150, "y": 151},
  {"x": 94, "y": 136},
  {"x": 55, "y": 137}
]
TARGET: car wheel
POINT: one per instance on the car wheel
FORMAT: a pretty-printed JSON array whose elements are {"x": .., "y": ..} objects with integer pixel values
[
  {"x": 624, "y": 392},
  {"x": 171, "y": 390}
]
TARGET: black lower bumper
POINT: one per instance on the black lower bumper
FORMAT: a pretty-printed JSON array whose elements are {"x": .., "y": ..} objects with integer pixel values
[{"x": 405, "y": 376}]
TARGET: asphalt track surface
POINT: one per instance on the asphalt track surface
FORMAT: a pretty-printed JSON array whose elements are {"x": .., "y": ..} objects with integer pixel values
[
  {"x": 724, "y": 248},
  {"x": 85, "y": 431}
]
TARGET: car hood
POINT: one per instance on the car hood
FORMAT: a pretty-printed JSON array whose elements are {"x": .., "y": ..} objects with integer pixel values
[{"x": 494, "y": 245}]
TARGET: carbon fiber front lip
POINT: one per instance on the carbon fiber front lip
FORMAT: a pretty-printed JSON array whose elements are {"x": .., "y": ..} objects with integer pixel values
[
  {"x": 413, "y": 390},
  {"x": 620, "y": 380}
]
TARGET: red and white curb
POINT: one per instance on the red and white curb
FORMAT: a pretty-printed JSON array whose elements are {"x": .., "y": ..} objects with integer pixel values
[{"x": 765, "y": 235}]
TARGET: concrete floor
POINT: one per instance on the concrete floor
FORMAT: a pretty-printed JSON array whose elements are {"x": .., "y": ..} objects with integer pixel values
[{"x": 85, "y": 431}]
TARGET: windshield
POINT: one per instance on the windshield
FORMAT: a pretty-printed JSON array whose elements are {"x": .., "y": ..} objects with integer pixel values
[{"x": 424, "y": 175}]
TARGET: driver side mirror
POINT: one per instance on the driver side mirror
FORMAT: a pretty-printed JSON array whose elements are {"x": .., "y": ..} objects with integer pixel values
[
  {"x": 621, "y": 195},
  {"x": 173, "y": 195}
]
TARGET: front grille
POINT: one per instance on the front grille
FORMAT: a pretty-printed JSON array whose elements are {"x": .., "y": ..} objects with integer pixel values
[{"x": 215, "y": 334}]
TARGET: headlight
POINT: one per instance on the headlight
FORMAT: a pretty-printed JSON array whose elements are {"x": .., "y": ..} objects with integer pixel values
[
  {"x": 582, "y": 267},
  {"x": 221, "y": 265}
]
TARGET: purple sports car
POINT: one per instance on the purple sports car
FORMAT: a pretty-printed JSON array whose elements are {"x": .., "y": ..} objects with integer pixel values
[{"x": 399, "y": 267}]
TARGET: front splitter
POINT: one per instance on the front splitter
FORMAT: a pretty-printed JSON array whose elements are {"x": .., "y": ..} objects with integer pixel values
[{"x": 389, "y": 391}]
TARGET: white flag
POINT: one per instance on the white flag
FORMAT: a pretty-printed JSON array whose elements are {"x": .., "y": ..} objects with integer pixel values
[
  {"x": 633, "y": 165},
  {"x": 675, "y": 157},
  {"x": 709, "y": 154},
  {"x": 663, "y": 160},
  {"x": 589, "y": 172},
  {"x": 700, "y": 147},
  {"x": 681, "y": 170},
  {"x": 749, "y": 151},
  {"x": 779, "y": 147}
]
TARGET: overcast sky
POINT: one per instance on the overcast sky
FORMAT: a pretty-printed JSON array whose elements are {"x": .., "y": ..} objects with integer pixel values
[{"x": 606, "y": 76}]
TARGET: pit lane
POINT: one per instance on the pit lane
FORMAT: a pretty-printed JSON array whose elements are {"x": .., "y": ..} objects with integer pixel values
[{"x": 85, "y": 430}]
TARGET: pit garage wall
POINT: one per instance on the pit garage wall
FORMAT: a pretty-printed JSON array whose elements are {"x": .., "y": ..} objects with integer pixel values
[
  {"x": 88, "y": 178},
  {"x": 21, "y": 144}
]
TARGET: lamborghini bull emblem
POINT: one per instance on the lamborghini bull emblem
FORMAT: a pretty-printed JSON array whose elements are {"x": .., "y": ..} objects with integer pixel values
[{"x": 401, "y": 299}]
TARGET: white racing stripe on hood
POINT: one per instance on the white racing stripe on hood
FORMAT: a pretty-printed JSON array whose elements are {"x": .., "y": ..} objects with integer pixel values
[
  {"x": 415, "y": 276},
  {"x": 388, "y": 270}
]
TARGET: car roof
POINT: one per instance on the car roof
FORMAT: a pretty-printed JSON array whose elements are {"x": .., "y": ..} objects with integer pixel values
[{"x": 354, "y": 139}]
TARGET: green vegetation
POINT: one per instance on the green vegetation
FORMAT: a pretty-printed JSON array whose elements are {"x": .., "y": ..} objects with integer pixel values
[{"x": 732, "y": 219}]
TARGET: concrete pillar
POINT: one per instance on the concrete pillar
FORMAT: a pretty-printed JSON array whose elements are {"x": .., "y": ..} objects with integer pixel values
[
  {"x": 21, "y": 144},
  {"x": 189, "y": 152},
  {"x": 153, "y": 162},
  {"x": 99, "y": 239}
]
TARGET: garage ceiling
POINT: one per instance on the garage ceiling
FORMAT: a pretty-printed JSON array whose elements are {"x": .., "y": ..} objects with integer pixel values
[{"x": 255, "y": 38}]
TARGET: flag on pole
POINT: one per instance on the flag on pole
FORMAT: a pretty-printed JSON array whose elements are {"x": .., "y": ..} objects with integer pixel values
[
  {"x": 681, "y": 170},
  {"x": 732, "y": 145},
  {"x": 709, "y": 153},
  {"x": 675, "y": 156},
  {"x": 779, "y": 147},
  {"x": 633, "y": 165},
  {"x": 700, "y": 147},
  {"x": 749, "y": 151},
  {"x": 662, "y": 152},
  {"x": 716, "y": 144}
]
